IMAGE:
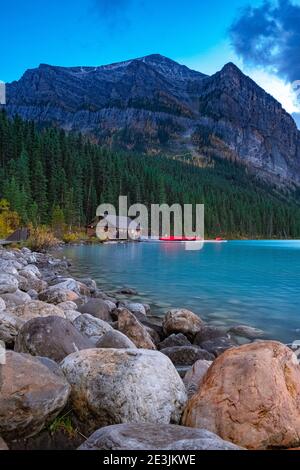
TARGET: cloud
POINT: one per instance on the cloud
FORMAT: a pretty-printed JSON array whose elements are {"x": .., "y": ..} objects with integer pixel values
[{"x": 268, "y": 36}]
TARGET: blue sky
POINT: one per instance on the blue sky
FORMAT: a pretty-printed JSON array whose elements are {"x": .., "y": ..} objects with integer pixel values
[{"x": 95, "y": 32}]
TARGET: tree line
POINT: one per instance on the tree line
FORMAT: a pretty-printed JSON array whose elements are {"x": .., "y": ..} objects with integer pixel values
[{"x": 48, "y": 174}]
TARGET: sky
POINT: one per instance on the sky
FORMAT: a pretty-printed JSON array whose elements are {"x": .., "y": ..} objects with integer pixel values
[{"x": 263, "y": 39}]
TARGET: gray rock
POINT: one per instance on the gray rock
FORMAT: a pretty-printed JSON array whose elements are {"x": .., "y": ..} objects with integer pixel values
[
  {"x": 218, "y": 345},
  {"x": 194, "y": 376},
  {"x": 56, "y": 295},
  {"x": 9, "y": 328},
  {"x": 209, "y": 332},
  {"x": 8, "y": 283},
  {"x": 186, "y": 355},
  {"x": 135, "y": 307},
  {"x": 128, "y": 291},
  {"x": 33, "y": 269},
  {"x": 154, "y": 437},
  {"x": 174, "y": 340},
  {"x": 3, "y": 445},
  {"x": 30, "y": 396},
  {"x": 68, "y": 305},
  {"x": 51, "y": 337},
  {"x": 91, "y": 327},
  {"x": 15, "y": 299},
  {"x": 96, "y": 307},
  {"x": 246, "y": 331},
  {"x": 133, "y": 329},
  {"x": 71, "y": 315},
  {"x": 33, "y": 294},
  {"x": 2, "y": 304},
  {"x": 28, "y": 281},
  {"x": 34, "y": 309},
  {"x": 52, "y": 366},
  {"x": 182, "y": 321},
  {"x": 115, "y": 339},
  {"x": 111, "y": 386}
]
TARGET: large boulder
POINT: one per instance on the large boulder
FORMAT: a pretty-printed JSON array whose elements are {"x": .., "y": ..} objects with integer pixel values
[
  {"x": 91, "y": 327},
  {"x": 57, "y": 295},
  {"x": 16, "y": 298},
  {"x": 135, "y": 308},
  {"x": 34, "y": 309},
  {"x": 174, "y": 340},
  {"x": 154, "y": 437},
  {"x": 68, "y": 305},
  {"x": 9, "y": 328},
  {"x": 52, "y": 337},
  {"x": 251, "y": 396},
  {"x": 115, "y": 339},
  {"x": 32, "y": 269},
  {"x": 182, "y": 321},
  {"x": 97, "y": 308},
  {"x": 112, "y": 386},
  {"x": 30, "y": 396},
  {"x": 186, "y": 355},
  {"x": 134, "y": 330},
  {"x": 193, "y": 378},
  {"x": 8, "y": 283}
]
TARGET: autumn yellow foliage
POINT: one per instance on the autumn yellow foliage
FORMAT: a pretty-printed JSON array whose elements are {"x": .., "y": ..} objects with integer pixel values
[{"x": 9, "y": 220}]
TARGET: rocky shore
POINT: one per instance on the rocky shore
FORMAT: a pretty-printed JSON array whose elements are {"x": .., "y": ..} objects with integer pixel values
[{"x": 87, "y": 370}]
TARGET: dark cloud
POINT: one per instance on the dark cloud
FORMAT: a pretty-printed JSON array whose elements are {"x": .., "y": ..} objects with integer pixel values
[{"x": 269, "y": 36}]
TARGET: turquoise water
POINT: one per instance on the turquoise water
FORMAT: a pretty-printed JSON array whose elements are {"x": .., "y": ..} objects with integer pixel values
[{"x": 250, "y": 282}]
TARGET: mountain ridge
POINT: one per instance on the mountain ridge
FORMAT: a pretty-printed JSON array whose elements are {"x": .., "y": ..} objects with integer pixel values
[{"x": 154, "y": 105}]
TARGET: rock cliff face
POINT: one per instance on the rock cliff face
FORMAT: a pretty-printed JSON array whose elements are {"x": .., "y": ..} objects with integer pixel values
[{"x": 154, "y": 104}]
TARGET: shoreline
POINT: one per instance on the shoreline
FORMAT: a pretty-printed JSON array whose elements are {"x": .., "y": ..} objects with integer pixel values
[{"x": 58, "y": 324}]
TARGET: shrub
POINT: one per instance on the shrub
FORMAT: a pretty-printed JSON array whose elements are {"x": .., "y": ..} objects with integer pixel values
[
  {"x": 41, "y": 238},
  {"x": 9, "y": 220}
]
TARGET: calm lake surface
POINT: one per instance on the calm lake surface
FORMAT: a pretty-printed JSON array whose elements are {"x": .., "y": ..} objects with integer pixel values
[{"x": 250, "y": 282}]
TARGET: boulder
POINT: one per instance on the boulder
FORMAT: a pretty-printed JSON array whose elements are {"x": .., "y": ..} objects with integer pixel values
[
  {"x": 209, "y": 332},
  {"x": 251, "y": 396},
  {"x": 2, "y": 304},
  {"x": 71, "y": 284},
  {"x": 92, "y": 327},
  {"x": 71, "y": 315},
  {"x": 174, "y": 340},
  {"x": 128, "y": 291},
  {"x": 56, "y": 295},
  {"x": 182, "y": 321},
  {"x": 32, "y": 269},
  {"x": 15, "y": 299},
  {"x": 140, "y": 436},
  {"x": 68, "y": 305},
  {"x": 30, "y": 396},
  {"x": 112, "y": 386},
  {"x": 186, "y": 355},
  {"x": 8, "y": 283},
  {"x": 29, "y": 281},
  {"x": 115, "y": 339},
  {"x": 194, "y": 376},
  {"x": 218, "y": 345},
  {"x": 9, "y": 328},
  {"x": 33, "y": 294},
  {"x": 97, "y": 308},
  {"x": 133, "y": 329},
  {"x": 246, "y": 331},
  {"x": 135, "y": 308},
  {"x": 51, "y": 337},
  {"x": 34, "y": 309},
  {"x": 111, "y": 305},
  {"x": 3, "y": 445}
]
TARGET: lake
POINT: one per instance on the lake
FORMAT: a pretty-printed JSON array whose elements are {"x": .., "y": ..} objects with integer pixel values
[{"x": 251, "y": 282}]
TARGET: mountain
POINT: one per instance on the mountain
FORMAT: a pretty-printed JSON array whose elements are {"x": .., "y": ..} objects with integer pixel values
[{"x": 155, "y": 105}]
